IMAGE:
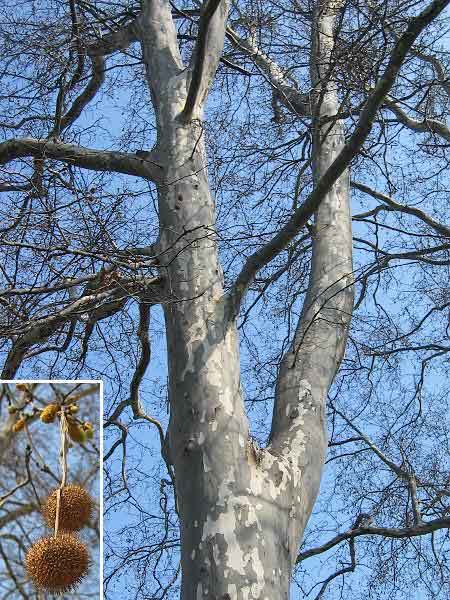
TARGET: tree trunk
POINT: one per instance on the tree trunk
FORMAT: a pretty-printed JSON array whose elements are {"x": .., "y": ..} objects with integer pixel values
[{"x": 243, "y": 509}]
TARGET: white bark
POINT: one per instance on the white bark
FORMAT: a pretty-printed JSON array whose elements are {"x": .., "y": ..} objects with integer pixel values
[{"x": 243, "y": 509}]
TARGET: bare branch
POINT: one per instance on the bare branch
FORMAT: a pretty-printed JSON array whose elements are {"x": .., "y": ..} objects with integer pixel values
[
  {"x": 407, "y": 475},
  {"x": 206, "y": 54},
  {"x": 66, "y": 284},
  {"x": 119, "y": 442},
  {"x": 389, "y": 532},
  {"x": 442, "y": 76},
  {"x": 287, "y": 92},
  {"x": 116, "y": 40},
  {"x": 411, "y": 210},
  {"x": 87, "y": 158},
  {"x": 134, "y": 400},
  {"x": 364, "y": 125},
  {"x": 350, "y": 569},
  {"x": 39, "y": 330},
  {"x": 11, "y": 573},
  {"x": 412, "y": 254},
  {"x": 15, "y": 514},
  {"x": 387, "y": 461},
  {"x": 15, "y": 187},
  {"x": 86, "y": 96},
  {"x": 23, "y": 483},
  {"x": 425, "y": 126}
]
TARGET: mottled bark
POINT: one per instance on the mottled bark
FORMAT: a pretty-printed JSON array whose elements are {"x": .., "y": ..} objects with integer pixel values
[
  {"x": 308, "y": 368},
  {"x": 208, "y": 432},
  {"x": 243, "y": 509}
]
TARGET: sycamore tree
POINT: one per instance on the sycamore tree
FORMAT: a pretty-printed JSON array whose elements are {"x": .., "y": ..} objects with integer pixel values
[{"x": 206, "y": 162}]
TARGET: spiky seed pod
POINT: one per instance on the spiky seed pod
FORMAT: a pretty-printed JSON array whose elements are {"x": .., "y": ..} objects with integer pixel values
[
  {"x": 76, "y": 433},
  {"x": 49, "y": 413},
  {"x": 19, "y": 424},
  {"x": 73, "y": 409},
  {"x": 57, "y": 564},
  {"x": 75, "y": 508}
]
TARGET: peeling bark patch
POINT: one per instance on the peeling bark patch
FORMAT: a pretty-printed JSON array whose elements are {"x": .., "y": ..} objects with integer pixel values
[
  {"x": 272, "y": 479},
  {"x": 304, "y": 391},
  {"x": 232, "y": 535}
]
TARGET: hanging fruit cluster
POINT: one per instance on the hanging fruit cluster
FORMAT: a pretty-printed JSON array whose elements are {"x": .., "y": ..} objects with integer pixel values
[
  {"x": 58, "y": 563},
  {"x": 78, "y": 431},
  {"x": 26, "y": 411}
]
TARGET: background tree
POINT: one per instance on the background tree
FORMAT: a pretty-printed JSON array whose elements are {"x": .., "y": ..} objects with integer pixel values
[
  {"x": 257, "y": 290},
  {"x": 30, "y": 471}
]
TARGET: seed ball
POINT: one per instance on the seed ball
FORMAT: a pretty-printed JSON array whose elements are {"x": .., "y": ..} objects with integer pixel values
[
  {"x": 48, "y": 414},
  {"x": 19, "y": 424},
  {"x": 88, "y": 430},
  {"x": 76, "y": 432},
  {"x": 57, "y": 564},
  {"x": 75, "y": 508}
]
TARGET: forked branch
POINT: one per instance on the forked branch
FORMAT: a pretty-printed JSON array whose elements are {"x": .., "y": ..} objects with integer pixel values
[
  {"x": 264, "y": 255},
  {"x": 389, "y": 532},
  {"x": 404, "y": 208},
  {"x": 205, "y": 54}
]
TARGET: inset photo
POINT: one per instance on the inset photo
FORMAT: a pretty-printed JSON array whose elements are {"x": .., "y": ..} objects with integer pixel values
[{"x": 50, "y": 489}]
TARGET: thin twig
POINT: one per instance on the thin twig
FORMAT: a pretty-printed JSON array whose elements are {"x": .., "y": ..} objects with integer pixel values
[{"x": 23, "y": 483}]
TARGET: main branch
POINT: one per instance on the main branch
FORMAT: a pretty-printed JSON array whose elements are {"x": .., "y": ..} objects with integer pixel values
[
  {"x": 264, "y": 255},
  {"x": 202, "y": 55},
  {"x": 87, "y": 158}
]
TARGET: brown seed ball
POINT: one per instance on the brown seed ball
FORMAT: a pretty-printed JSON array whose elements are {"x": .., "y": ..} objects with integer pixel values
[
  {"x": 75, "y": 508},
  {"x": 57, "y": 564},
  {"x": 88, "y": 429},
  {"x": 48, "y": 414},
  {"x": 76, "y": 432},
  {"x": 19, "y": 424}
]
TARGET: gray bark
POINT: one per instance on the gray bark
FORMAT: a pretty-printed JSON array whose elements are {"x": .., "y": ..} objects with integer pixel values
[{"x": 243, "y": 509}]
